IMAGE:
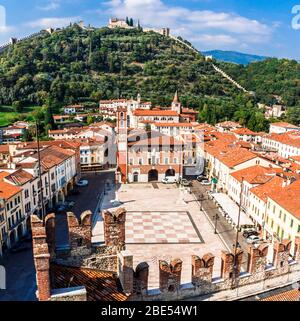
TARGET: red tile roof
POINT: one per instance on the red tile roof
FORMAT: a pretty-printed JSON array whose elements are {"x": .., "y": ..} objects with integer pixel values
[
  {"x": 244, "y": 131},
  {"x": 7, "y": 190},
  {"x": 262, "y": 191},
  {"x": 173, "y": 125},
  {"x": 145, "y": 112},
  {"x": 256, "y": 174},
  {"x": 291, "y": 295},
  {"x": 4, "y": 149},
  {"x": 20, "y": 177},
  {"x": 284, "y": 125},
  {"x": 289, "y": 198},
  {"x": 100, "y": 285}
]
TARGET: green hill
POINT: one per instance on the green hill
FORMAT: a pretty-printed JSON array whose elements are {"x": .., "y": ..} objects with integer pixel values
[{"x": 74, "y": 65}]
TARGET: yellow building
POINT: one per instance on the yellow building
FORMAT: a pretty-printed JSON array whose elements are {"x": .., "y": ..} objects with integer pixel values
[{"x": 283, "y": 212}]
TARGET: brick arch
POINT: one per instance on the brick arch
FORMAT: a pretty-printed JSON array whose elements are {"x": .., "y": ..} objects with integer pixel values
[{"x": 141, "y": 276}]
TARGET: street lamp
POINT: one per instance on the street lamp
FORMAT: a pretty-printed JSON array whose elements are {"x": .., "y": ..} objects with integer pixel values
[{"x": 216, "y": 218}]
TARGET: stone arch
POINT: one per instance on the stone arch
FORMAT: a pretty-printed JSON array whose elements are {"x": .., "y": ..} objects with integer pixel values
[
  {"x": 135, "y": 177},
  {"x": 141, "y": 277},
  {"x": 12, "y": 238},
  {"x": 61, "y": 196},
  {"x": 170, "y": 172},
  {"x": 69, "y": 187},
  {"x": 153, "y": 175},
  {"x": 28, "y": 225},
  {"x": 20, "y": 231}
]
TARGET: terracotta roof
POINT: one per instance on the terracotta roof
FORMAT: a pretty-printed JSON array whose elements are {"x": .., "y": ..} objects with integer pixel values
[
  {"x": 188, "y": 111},
  {"x": 155, "y": 141},
  {"x": 52, "y": 156},
  {"x": 288, "y": 138},
  {"x": 20, "y": 177},
  {"x": 113, "y": 101},
  {"x": 230, "y": 155},
  {"x": 7, "y": 190},
  {"x": 284, "y": 125},
  {"x": 4, "y": 149},
  {"x": 145, "y": 112},
  {"x": 291, "y": 295},
  {"x": 262, "y": 191},
  {"x": 100, "y": 285},
  {"x": 228, "y": 124},
  {"x": 173, "y": 125},
  {"x": 255, "y": 174},
  {"x": 244, "y": 131},
  {"x": 289, "y": 198}
]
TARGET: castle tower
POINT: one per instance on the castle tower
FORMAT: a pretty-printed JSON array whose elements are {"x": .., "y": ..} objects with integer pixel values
[
  {"x": 122, "y": 127},
  {"x": 176, "y": 105}
]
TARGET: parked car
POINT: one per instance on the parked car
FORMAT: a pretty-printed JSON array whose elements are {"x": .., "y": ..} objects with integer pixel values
[
  {"x": 116, "y": 203},
  {"x": 169, "y": 180},
  {"x": 201, "y": 178},
  {"x": 205, "y": 182},
  {"x": 250, "y": 232},
  {"x": 185, "y": 182},
  {"x": 253, "y": 239},
  {"x": 82, "y": 183}
]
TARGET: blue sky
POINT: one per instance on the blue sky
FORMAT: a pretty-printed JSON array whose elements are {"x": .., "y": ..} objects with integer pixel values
[{"x": 260, "y": 27}]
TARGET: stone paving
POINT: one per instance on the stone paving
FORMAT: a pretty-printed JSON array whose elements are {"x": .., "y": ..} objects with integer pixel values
[{"x": 168, "y": 199}]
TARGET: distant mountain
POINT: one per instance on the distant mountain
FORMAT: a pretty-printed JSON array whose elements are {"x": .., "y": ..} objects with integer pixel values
[{"x": 234, "y": 57}]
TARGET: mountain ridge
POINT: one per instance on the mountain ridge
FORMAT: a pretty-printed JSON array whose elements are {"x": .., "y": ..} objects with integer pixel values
[{"x": 235, "y": 56}]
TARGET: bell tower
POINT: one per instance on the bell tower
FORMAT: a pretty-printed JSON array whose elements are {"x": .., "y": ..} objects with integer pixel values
[
  {"x": 122, "y": 128},
  {"x": 176, "y": 105}
]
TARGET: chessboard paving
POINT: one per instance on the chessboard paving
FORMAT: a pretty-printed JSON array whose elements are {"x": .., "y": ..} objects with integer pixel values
[{"x": 161, "y": 228}]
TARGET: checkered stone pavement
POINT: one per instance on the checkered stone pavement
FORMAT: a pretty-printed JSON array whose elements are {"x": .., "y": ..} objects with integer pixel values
[{"x": 161, "y": 228}]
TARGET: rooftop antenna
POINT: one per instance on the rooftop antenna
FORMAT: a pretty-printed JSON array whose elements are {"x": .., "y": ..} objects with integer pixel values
[{"x": 40, "y": 170}]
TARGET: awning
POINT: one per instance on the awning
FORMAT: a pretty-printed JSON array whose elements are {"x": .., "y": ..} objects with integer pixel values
[{"x": 232, "y": 209}]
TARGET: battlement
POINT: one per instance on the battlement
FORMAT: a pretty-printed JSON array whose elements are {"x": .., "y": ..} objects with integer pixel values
[{"x": 114, "y": 257}]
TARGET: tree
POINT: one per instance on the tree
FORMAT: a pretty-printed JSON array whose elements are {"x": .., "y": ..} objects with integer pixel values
[
  {"x": 17, "y": 106},
  {"x": 131, "y": 22},
  {"x": 48, "y": 119},
  {"x": 293, "y": 115},
  {"x": 90, "y": 120}
]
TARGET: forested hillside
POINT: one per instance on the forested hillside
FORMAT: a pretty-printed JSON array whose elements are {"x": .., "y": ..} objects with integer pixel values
[{"x": 81, "y": 66}]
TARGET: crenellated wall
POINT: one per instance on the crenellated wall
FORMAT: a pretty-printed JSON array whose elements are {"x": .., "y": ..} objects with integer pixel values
[
  {"x": 111, "y": 257},
  {"x": 80, "y": 233}
]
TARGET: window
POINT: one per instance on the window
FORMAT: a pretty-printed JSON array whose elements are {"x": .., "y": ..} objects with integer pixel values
[
  {"x": 26, "y": 193},
  {"x": 284, "y": 218},
  {"x": 292, "y": 222},
  {"x": 140, "y": 161},
  {"x": 280, "y": 213}
]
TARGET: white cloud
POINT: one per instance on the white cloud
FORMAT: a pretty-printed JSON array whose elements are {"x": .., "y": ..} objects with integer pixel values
[
  {"x": 218, "y": 28},
  {"x": 52, "y": 22},
  {"x": 52, "y": 5}
]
